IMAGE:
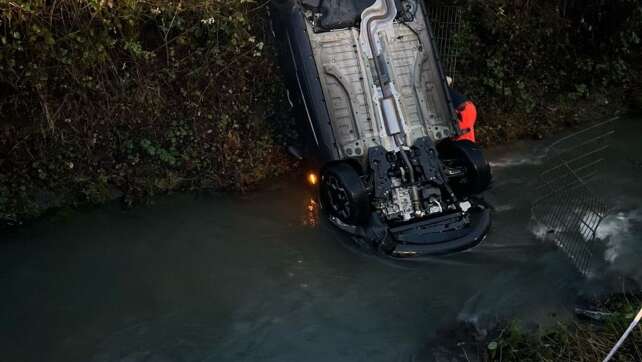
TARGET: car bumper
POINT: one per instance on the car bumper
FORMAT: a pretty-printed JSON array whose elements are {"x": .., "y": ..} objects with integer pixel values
[
  {"x": 438, "y": 236},
  {"x": 435, "y": 237}
]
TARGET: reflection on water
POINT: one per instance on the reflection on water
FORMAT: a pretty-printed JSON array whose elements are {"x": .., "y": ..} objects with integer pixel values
[
  {"x": 263, "y": 277},
  {"x": 311, "y": 213}
]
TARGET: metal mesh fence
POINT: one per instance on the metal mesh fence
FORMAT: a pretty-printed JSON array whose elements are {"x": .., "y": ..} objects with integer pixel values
[
  {"x": 446, "y": 24},
  {"x": 567, "y": 207}
]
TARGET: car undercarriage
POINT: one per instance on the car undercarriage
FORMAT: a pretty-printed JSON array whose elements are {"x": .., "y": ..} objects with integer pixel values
[{"x": 380, "y": 126}]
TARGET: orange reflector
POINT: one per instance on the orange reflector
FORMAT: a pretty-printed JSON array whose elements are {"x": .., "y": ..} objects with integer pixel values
[{"x": 312, "y": 178}]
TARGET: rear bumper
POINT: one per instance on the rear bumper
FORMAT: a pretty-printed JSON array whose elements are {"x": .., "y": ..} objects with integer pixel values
[{"x": 439, "y": 236}]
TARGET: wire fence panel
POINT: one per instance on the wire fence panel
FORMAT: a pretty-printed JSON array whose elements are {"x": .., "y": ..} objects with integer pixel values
[
  {"x": 446, "y": 24},
  {"x": 567, "y": 206}
]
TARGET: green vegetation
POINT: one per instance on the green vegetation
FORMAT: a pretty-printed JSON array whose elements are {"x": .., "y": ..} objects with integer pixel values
[
  {"x": 104, "y": 98},
  {"x": 536, "y": 66},
  {"x": 580, "y": 340}
]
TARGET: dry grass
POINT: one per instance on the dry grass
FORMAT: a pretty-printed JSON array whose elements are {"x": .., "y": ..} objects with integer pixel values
[{"x": 579, "y": 340}]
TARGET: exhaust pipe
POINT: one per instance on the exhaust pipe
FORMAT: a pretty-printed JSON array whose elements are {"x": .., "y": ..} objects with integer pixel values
[
  {"x": 374, "y": 19},
  {"x": 379, "y": 17}
]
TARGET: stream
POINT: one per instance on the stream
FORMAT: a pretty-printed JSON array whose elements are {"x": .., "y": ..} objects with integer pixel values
[{"x": 261, "y": 277}]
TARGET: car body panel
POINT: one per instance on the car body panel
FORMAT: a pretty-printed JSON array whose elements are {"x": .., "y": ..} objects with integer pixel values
[
  {"x": 334, "y": 83},
  {"x": 338, "y": 92},
  {"x": 346, "y": 79}
]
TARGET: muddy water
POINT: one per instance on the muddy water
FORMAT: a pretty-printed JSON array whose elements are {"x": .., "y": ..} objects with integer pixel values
[{"x": 260, "y": 278}]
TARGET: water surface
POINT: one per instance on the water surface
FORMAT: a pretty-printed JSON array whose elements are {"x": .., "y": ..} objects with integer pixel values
[{"x": 259, "y": 278}]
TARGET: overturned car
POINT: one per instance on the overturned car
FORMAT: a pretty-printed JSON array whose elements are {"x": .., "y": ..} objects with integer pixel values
[{"x": 392, "y": 143}]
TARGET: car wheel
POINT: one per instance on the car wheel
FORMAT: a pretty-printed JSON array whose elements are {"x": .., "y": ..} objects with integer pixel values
[
  {"x": 469, "y": 155},
  {"x": 343, "y": 194}
]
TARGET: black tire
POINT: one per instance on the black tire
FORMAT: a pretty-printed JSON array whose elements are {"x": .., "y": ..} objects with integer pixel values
[
  {"x": 343, "y": 195},
  {"x": 469, "y": 155}
]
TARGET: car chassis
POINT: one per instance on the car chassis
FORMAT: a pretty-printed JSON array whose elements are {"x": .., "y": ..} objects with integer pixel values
[{"x": 398, "y": 168}]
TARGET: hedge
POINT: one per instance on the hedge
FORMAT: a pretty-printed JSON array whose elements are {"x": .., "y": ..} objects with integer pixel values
[{"x": 103, "y": 98}]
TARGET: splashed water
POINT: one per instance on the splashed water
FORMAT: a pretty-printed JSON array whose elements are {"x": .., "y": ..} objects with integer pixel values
[
  {"x": 504, "y": 208},
  {"x": 540, "y": 231},
  {"x": 616, "y": 232},
  {"x": 515, "y": 161}
]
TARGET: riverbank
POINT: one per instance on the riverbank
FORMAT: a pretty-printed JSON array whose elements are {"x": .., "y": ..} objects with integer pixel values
[
  {"x": 596, "y": 328},
  {"x": 128, "y": 100}
]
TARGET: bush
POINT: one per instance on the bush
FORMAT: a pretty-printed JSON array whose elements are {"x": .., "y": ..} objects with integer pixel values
[
  {"x": 103, "y": 97},
  {"x": 533, "y": 65}
]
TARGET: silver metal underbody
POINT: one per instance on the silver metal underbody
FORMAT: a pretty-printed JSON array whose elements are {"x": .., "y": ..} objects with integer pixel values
[
  {"x": 349, "y": 84},
  {"x": 383, "y": 87}
]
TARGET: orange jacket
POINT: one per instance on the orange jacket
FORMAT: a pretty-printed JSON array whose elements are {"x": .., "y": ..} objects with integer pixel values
[{"x": 467, "y": 113}]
